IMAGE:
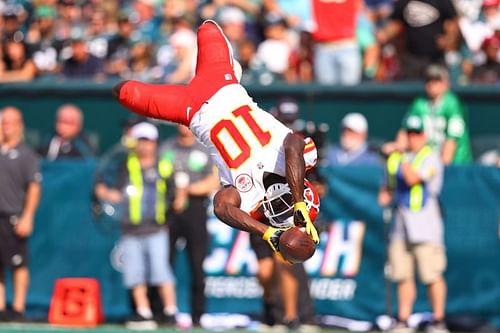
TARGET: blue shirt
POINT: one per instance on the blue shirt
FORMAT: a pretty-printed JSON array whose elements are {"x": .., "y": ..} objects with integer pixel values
[{"x": 337, "y": 156}]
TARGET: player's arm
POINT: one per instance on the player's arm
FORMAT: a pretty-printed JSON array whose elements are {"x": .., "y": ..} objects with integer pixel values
[
  {"x": 295, "y": 173},
  {"x": 226, "y": 207},
  {"x": 295, "y": 165}
]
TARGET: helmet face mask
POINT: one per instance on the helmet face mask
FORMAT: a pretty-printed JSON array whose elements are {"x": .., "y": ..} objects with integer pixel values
[{"x": 278, "y": 206}]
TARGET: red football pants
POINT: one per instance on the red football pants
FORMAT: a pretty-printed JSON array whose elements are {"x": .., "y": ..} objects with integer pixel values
[{"x": 178, "y": 103}]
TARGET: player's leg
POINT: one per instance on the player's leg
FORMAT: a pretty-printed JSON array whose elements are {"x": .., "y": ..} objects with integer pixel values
[
  {"x": 289, "y": 293},
  {"x": 166, "y": 102},
  {"x": 214, "y": 50},
  {"x": 265, "y": 275}
]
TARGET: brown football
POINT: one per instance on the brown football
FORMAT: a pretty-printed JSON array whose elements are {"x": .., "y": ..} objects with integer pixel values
[{"x": 296, "y": 245}]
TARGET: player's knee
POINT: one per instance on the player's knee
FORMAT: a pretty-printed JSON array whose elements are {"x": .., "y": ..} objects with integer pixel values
[{"x": 116, "y": 89}]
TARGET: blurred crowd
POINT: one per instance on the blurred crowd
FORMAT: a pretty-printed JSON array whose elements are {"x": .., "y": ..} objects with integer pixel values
[{"x": 274, "y": 40}]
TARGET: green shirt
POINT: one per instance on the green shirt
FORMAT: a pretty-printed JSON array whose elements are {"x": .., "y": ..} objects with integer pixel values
[{"x": 444, "y": 120}]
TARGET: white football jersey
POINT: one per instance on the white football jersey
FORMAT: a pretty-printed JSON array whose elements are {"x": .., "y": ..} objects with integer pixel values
[{"x": 245, "y": 141}]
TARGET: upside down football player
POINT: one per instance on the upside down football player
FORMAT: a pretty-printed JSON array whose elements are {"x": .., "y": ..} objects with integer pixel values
[{"x": 245, "y": 141}]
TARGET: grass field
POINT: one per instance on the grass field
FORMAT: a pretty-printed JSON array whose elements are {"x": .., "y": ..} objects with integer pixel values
[{"x": 45, "y": 328}]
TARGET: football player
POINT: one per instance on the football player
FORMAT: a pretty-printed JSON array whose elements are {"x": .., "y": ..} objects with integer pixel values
[{"x": 245, "y": 141}]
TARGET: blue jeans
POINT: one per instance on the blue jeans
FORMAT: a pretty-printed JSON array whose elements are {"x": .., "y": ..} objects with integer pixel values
[
  {"x": 337, "y": 63},
  {"x": 146, "y": 259}
]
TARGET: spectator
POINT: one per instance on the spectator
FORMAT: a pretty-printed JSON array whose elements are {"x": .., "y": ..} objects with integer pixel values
[
  {"x": 20, "y": 182},
  {"x": 370, "y": 50},
  {"x": 181, "y": 67},
  {"x": 196, "y": 179},
  {"x": 294, "y": 309},
  {"x": 70, "y": 18},
  {"x": 233, "y": 22},
  {"x": 144, "y": 188},
  {"x": 145, "y": 20},
  {"x": 13, "y": 16},
  {"x": 489, "y": 72},
  {"x": 429, "y": 28},
  {"x": 68, "y": 141},
  {"x": 82, "y": 64},
  {"x": 119, "y": 47},
  {"x": 353, "y": 149},
  {"x": 254, "y": 71},
  {"x": 16, "y": 65},
  {"x": 414, "y": 181},
  {"x": 337, "y": 58},
  {"x": 275, "y": 51},
  {"x": 97, "y": 34},
  {"x": 444, "y": 120},
  {"x": 287, "y": 111},
  {"x": 141, "y": 64},
  {"x": 42, "y": 41}
]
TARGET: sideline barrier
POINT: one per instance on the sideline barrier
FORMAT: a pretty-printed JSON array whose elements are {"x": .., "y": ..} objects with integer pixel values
[
  {"x": 383, "y": 105},
  {"x": 346, "y": 272}
]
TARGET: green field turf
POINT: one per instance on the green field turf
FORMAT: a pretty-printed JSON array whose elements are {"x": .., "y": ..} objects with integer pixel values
[{"x": 45, "y": 328}]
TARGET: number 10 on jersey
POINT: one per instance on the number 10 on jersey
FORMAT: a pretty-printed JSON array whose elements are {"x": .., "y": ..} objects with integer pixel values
[{"x": 237, "y": 137}]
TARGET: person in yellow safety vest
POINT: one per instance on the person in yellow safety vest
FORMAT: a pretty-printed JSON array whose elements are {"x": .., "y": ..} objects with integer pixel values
[
  {"x": 145, "y": 190},
  {"x": 413, "y": 182}
]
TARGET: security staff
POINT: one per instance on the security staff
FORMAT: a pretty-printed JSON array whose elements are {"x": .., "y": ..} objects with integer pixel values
[
  {"x": 19, "y": 197},
  {"x": 195, "y": 179},
  {"x": 144, "y": 190},
  {"x": 414, "y": 181}
]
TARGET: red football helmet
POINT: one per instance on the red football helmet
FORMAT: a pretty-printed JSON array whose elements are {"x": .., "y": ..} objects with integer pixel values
[{"x": 278, "y": 207}]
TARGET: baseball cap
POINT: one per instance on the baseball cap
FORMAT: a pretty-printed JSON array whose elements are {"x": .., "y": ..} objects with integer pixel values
[
  {"x": 144, "y": 130},
  {"x": 231, "y": 14},
  {"x": 492, "y": 41},
  {"x": 436, "y": 72},
  {"x": 287, "y": 110},
  {"x": 413, "y": 124},
  {"x": 45, "y": 11},
  {"x": 271, "y": 19},
  {"x": 356, "y": 122}
]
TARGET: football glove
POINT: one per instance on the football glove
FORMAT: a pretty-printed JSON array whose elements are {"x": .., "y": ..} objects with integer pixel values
[
  {"x": 301, "y": 219},
  {"x": 272, "y": 237}
]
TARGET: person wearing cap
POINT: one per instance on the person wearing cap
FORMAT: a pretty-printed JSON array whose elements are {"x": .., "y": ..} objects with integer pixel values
[
  {"x": 444, "y": 120},
  {"x": 353, "y": 149},
  {"x": 489, "y": 72},
  {"x": 413, "y": 183},
  {"x": 143, "y": 189},
  {"x": 68, "y": 141},
  {"x": 276, "y": 49}
]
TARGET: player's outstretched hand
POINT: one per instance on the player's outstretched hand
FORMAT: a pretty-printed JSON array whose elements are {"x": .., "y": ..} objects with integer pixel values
[
  {"x": 272, "y": 237},
  {"x": 301, "y": 219}
]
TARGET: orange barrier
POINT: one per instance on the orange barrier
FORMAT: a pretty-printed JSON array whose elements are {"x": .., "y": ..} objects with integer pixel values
[{"x": 76, "y": 302}]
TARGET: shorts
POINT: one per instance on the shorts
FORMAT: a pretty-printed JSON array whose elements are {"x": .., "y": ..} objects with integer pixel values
[
  {"x": 261, "y": 248},
  {"x": 13, "y": 249},
  {"x": 146, "y": 259},
  {"x": 429, "y": 258}
]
